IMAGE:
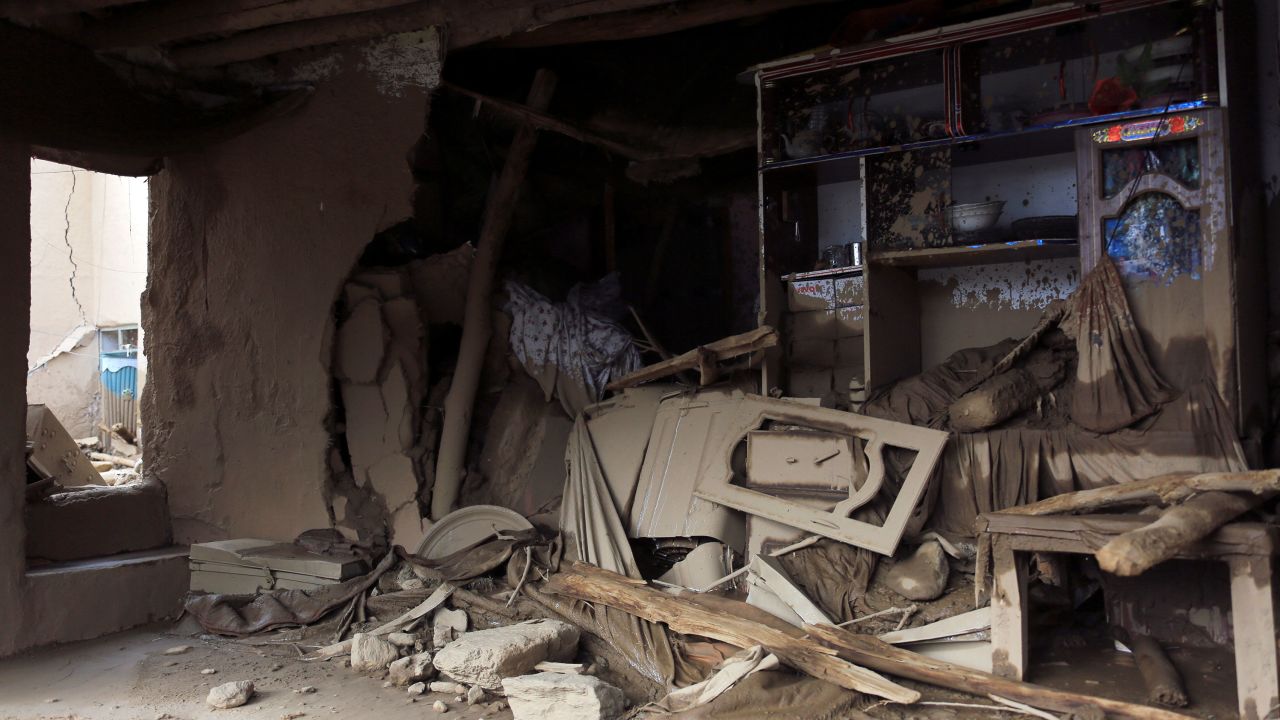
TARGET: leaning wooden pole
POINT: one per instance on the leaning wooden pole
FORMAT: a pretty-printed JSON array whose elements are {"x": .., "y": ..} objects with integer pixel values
[{"x": 476, "y": 323}]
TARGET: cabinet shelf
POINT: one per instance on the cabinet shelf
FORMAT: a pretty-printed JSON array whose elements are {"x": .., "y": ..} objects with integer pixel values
[{"x": 991, "y": 253}]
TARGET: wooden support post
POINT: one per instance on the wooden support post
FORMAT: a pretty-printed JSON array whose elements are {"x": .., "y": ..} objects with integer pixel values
[
  {"x": 1008, "y": 612},
  {"x": 1254, "y": 627},
  {"x": 476, "y": 324}
]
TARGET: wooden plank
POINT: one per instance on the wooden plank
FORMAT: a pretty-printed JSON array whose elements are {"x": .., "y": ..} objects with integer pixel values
[
  {"x": 160, "y": 23},
  {"x": 775, "y": 577},
  {"x": 1164, "y": 489},
  {"x": 476, "y": 324},
  {"x": 1085, "y": 534},
  {"x": 1008, "y": 612},
  {"x": 962, "y": 624},
  {"x": 723, "y": 349},
  {"x": 1179, "y": 527},
  {"x": 961, "y": 255},
  {"x": 1254, "y": 627},
  {"x": 433, "y": 601},
  {"x": 879, "y": 655},
  {"x": 727, "y": 621}
]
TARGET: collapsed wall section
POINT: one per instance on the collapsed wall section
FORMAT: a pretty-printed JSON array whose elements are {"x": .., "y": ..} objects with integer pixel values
[{"x": 252, "y": 242}]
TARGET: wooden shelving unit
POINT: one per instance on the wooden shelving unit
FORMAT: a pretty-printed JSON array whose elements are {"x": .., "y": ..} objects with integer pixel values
[{"x": 978, "y": 254}]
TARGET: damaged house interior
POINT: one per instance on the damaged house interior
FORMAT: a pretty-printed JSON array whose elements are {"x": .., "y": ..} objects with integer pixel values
[{"x": 604, "y": 359}]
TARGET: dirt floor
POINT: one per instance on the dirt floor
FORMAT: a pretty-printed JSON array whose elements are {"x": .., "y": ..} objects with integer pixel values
[{"x": 127, "y": 676}]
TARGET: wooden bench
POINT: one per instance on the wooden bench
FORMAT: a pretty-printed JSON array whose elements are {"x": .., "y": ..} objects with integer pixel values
[{"x": 1246, "y": 548}]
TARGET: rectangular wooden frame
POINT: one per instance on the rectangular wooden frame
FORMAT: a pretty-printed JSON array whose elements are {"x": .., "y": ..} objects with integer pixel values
[{"x": 716, "y": 485}]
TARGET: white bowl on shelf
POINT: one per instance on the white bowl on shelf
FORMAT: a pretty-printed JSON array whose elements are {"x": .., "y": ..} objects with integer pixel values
[{"x": 972, "y": 217}]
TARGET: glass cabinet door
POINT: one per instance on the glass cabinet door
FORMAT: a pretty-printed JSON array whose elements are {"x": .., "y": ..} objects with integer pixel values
[
  {"x": 873, "y": 104},
  {"x": 1138, "y": 60}
]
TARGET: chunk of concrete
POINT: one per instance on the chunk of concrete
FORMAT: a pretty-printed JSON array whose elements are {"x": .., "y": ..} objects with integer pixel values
[
  {"x": 230, "y": 695},
  {"x": 923, "y": 576},
  {"x": 370, "y": 653},
  {"x": 484, "y": 658},
  {"x": 402, "y": 639},
  {"x": 411, "y": 669},
  {"x": 556, "y": 696},
  {"x": 362, "y": 342},
  {"x": 446, "y": 626}
]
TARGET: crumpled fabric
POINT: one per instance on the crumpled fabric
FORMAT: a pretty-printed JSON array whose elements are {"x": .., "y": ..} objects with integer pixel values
[
  {"x": 575, "y": 348},
  {"x": 781, "y": 695},
  {"x": 1116, "y": 384},
  {"x": 592, "y": 530},
  {"x": 1151, "y": 428},
  {"x": 728, "y": 673}
]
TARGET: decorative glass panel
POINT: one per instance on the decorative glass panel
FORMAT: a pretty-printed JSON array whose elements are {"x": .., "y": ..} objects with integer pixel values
[
  {"x": 1156, "y": 238},
  {"x": 1179, "y": 160}
]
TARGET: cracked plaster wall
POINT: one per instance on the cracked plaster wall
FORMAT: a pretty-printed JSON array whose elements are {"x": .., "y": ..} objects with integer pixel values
[{"x": 251, "y": 243}]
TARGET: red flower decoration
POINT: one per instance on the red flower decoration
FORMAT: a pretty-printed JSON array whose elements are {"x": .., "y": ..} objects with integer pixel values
[
  {"x": 1115, "y": 133},
  {"x": 1177, "y": 125},
  {"x": 1111, "y": 95}
]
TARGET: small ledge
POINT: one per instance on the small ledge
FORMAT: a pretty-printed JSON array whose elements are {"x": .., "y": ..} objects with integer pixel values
[{"x": 142, "y": 557}]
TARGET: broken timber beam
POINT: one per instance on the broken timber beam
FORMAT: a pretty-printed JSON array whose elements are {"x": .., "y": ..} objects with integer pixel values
[
  {"x": 661, "y": 20},
  {"x": 702, "y": 358},
  {"x": 1165, "y": 489},
  {"x": 524, "y": 113},
  {"x": 879, "y": 655},
  {"x": 160, "y": 23},
  {"x": 477, "y": 318},
  {"x": 1137, "y": 551},
  {"x": 592, "y": 584}
]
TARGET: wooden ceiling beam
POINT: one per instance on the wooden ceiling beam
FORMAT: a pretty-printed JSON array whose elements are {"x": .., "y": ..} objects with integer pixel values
[
  {"x": 468, "y": 22},
  {"x": 162, "y": 23},
  {"x": 58, "y": 95},
  {"x": 33, "y": 9},
  {"x": 647, "y": 23}
]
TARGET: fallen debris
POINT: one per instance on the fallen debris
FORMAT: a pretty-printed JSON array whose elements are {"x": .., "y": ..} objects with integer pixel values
[
  {"x": 177, "y": 650},
  {"x": 703, "y": 359},
  {"x": 446, "y": 626},
  {"x": 230, "y": 695},
  {"x": 439, "y": 706},
  {"x": 418, "y": 688},
  {"x": 556, "y": 696},
  {"x": 561, "y": 667},
  {"x": 877, "y": 654},
  {"x": 370, "y": 653},
  {"x": 446, "y": 686},
  {"x": 1163, "y": 490},
  {"x": 485, "y": 657},
  {"x": 411, "y": 669},
  {"x": 1164, "y": 684},
  {"x": 923, "y": 576},
  {"x": 1137, "y": 551},
  {"x": 731, "y": 623}
]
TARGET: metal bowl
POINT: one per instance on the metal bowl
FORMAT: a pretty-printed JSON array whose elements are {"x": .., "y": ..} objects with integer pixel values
[{"x": 972, "y": 217}]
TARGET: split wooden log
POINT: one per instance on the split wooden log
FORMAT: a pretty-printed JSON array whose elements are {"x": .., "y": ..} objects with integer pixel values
[
  {"x": 1164, "y": 684},
  {"x": 879, "y": 655},
  {"x": 702, "y": 358},
  {"x": 1164, "y": 490},
  {"x": 1137, "y": 551},
  {"x": 477, "y": 319},
  {"x": 592, "y": 584},
  {"x": 114, "y": 459}
]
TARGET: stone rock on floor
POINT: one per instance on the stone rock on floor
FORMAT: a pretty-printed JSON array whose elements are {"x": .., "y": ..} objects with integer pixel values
[
  {"x": 411, "y": 669},
  {"x": 923, "y": 576},
  {"x": 371, "y": 653},
  {"x": 485, "y": 657},
  {"x": 556, "y": 696},
  {"x": 230, "y": 695}
]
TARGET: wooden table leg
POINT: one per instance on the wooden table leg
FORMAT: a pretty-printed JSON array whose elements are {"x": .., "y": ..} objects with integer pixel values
[
  {"x": 1254, "y": 627},
  {"x": 1008, "y": 611}
]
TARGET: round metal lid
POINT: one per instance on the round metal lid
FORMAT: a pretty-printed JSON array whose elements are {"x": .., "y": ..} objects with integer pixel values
[{"x": 467, "y": 526}]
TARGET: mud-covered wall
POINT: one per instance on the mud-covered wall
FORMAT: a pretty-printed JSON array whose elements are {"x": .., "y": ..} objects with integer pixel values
[
  {"x": 251, "y": 242},
  {"x": 15, "y": 230}
]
